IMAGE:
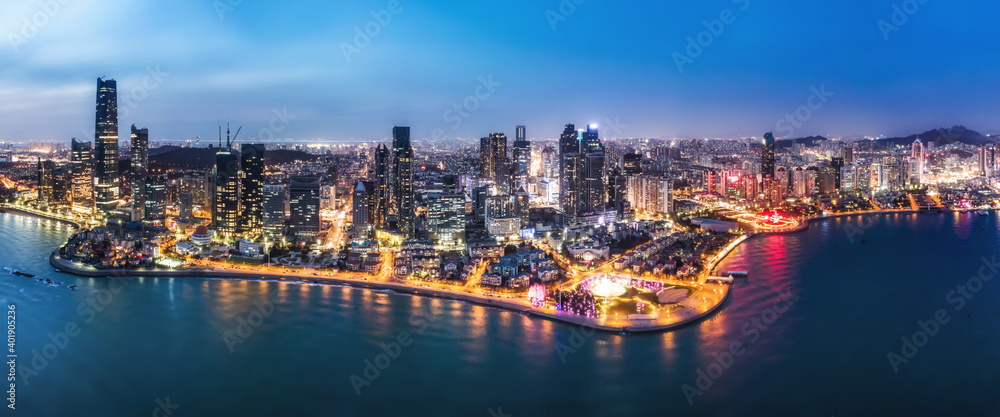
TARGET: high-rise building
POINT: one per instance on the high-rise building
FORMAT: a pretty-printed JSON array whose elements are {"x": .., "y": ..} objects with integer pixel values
[
  {"x": 522, "y": 205},
  {"x": 767, "y": 155},
  {"x": 361, "y": 214},
  {"x": 304, "y": 195},
  {"x": 402, "y": 171},
  {"x": 227, "y": 190},
  {"x": 61, "y": 185},
  {"x": 185, "y": 206},
  {"x": 45, "y": 180},
  {"x": 274, "y": 210},
  {"x": 383, "y": 161},
  {"x": 848, "y": 154},
  {"x": 593, "y": 183},
  {"x": 106, "y": 176},
  {"x": 522, "y": 158},
  {"x": 155, "y": 198},
  {"x": 632, "y": 163},
  {"x": 569, "y": 152},
  {"x": 649, "y": 194},
  {"x": 837, "y": 163},
  {"x": 251, "y": 194},
  {"x": 496, "y": 165},
  {"x": 82, "y": 171},
  {"x": 139, "y": 151},
  {"x": 446, "y": 219}
]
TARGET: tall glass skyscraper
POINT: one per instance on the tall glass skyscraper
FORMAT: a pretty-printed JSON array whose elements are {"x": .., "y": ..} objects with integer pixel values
[
  {"x": 139, "y": 148},
  {"x": 274, "y": 210},
  {"x": 82, "y": 168},
  {"x": 227, "y": 191},
  {"x": 767, "y": 156},
  {"x": 522, "y": 158},
  {"x": 252, "y": 198},
  {"x": 402, "y": 172},
  {"x": 304, "y": 194},
  {"x": 106, "y": 145},
  {"x": 383, "y": 161}
]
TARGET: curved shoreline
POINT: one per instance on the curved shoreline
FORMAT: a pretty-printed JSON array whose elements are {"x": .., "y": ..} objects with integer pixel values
[
  {"x": 19, "y": 212},
  {"x": 63, "y": 265}
]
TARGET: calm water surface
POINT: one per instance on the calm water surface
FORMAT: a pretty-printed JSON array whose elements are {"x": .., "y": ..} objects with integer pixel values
[{"x": 825, "y": 355}]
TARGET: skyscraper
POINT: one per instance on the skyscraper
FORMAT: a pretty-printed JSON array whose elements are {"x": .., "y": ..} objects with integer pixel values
[
  {"x": 360, "y": 207},
  {"x": 402, "y": 170},
  {"x": 139, "y": 149},
  {"x": 227, "y": 190},
  {"x": 82, "y": 168},
  {"x": 383, "y": 160},
  {"x": 493, "y": 154},
  {"x": 569, "y": 152},
  {"x": 106, "y": 145},
  {"x": 767, "y": 156},
  {"x": 593, "y": 187},
  {"x": 304, "y": 193},
  {"x": 251, "y": 194},
  {"x": 274, "y": 210},
  {"x": 155, "y": 198},
  {"x": 45, "y": 181},
  {"x": 522, "y": 158}
]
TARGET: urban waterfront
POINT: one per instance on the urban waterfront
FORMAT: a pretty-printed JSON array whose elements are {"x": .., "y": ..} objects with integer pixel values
[{"x": 855, "y": 287}]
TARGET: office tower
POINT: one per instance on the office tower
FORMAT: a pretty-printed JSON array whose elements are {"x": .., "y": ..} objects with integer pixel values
[
  {"x": 479, "y": 196},
  {"x": 496, "y": 164},
  {"x": 274, "y": 210},
  {"x": 139, "y": 150},
  {"x": 631, "y": 163},
  {"x": 155, "y": 198},
  {"x": 383, "y": 160},
  {"x": 522, "y": 158},
  {"x": 569, "y": 151},
  {"x": 593, "y": 190},
  {"x": 522, "y": 205},
  {"x": 106, "y": 146},
  {"x": 837, "y": 163},
  {"x": 446, "y": 219},
  {"x": 251, "y": 194},
  {"x": 185, "y": 206},
  {"x": 60, "y": 185},
  {"x": 46, "y": 179},
  {"x": 498, "y": 207},
  {"x": 617, "y": 195},
  {"x": 590, "y": 140},
  {"x": 848, "y": 154},
  {"x": 304, "y": 195},
  {"x": 402, "y": 170},
  {"x": 767, "y": 155},
  {"x": 361, "y": 214},
  {"x": 82, "y": 171},
  {"x": 227, "y": 190}
]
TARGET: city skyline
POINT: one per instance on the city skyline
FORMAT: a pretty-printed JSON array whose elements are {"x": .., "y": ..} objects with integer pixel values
[{"x": 316, "y": 90}]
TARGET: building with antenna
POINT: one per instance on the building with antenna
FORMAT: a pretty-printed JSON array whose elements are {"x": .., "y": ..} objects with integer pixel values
[{"x": 227, "y": 189}]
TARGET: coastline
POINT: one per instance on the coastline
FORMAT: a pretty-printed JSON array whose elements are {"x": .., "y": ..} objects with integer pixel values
[
  {"x": 16, "y": 211},
  {"x": 63, "y": 265}
]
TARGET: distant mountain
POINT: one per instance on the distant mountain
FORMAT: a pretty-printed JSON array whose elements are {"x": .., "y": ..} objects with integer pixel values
[
  {"x": 163, "y": 150},
  {"x": 204, "y": 158},
  {"x": 942, "y": 137},
  {"x": 808, "y": 141}
]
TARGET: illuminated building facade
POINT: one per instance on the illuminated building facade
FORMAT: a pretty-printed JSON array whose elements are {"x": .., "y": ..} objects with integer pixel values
[
  {"x": 402, "y": 177},
  {"x": 767, "y": 155},
  {"x": 274, "y": 211},
  {"x": 106, "y": 176},
  {"x": 227, "y": 193},
  {"x": 304, "y": 195},
  {"x": 383, "y": 161},
  {"x": 252, "y": 192},
  {"x": 522, "y": 158},
  {"x": 82, "y": 172},
  {"x": 139, "y": 151}
]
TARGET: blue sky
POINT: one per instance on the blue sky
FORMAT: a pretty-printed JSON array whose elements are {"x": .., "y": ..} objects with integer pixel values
[{"x": 604, "y": 61}]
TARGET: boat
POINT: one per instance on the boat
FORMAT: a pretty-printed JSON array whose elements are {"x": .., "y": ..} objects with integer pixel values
[
  {"x": 983, "y": 213},
  {"x": 737, "y": 274}
]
